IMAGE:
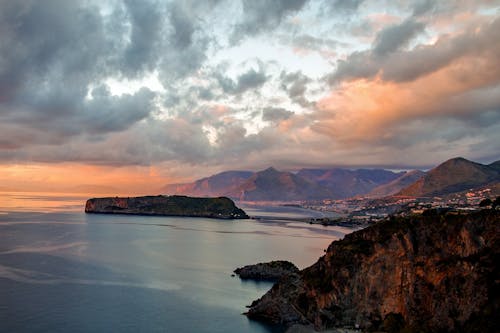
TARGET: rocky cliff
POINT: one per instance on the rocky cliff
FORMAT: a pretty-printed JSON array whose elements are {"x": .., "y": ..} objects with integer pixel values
[
  {"x": 176, "y": 205},
  {"x": 436, "y": 273},
  {"x": 267, "y": 271}
]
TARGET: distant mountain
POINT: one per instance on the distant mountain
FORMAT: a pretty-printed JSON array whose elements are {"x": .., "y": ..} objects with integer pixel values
[
  {"x": 215, "y": 185},
  {"x": 495, "y": 165},
  {"x": 454, "y": 175},
  {"x": 274, "y": 185},
  {"x": 397, "y": 184},
  {"x": 345, "y": 183}
]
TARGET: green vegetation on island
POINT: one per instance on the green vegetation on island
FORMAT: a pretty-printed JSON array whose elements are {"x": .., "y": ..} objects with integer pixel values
[{"x": 175, "y": 205}]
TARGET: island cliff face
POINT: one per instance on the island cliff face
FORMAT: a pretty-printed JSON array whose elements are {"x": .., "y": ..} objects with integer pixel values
[
  {"x": 435, "y": 273},
  {"x": 176, "y": 205}
]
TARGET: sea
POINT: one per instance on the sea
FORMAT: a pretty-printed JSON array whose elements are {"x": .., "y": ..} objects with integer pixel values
[{"x": 62, "y": 270}]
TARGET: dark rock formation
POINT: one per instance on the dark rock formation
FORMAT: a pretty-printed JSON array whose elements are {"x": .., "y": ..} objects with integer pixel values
[
  {"x": 176, "y": 205},
  {"x": 268, "y": 271},
  {"x": 434, "y": 273}
]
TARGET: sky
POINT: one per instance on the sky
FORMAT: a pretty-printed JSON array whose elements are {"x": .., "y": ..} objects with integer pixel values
[{"x": 131, "y": 95}]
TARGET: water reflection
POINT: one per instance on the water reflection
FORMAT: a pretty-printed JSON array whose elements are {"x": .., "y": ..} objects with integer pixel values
[{"x": 62, "y": 270}]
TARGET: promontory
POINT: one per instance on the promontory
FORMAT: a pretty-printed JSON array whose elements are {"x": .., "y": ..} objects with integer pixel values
[
  {"x": 162, "y": 205},
  {"x": 427, "y": 273}
]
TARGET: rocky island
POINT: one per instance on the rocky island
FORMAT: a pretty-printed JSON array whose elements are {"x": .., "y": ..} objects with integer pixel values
[
  {"x": 175, "y": 205},
  {"x": 267, "y": 271},
  {"x": 426, "y": 273}
]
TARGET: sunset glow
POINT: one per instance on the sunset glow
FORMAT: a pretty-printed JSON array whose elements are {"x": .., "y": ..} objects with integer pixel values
[{"x": 127, "y": 97}]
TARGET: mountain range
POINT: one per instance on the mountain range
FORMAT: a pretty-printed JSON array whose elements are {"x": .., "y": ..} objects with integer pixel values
[{"x": 454, "y": 175}]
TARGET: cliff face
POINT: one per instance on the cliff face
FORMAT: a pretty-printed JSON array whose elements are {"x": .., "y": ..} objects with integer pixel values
[
  {"x": 175, "y": 205},
  {"x": 428, "y": 273}
]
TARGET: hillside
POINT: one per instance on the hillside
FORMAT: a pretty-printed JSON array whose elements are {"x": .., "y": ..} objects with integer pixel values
[
  {"x": 215, "y": 185},
  {"x": 396, "y": 185},
  {"x": 435, "y": 273},
  {"x": 271, "y": 184},
  {"x": 495, "y": 165},
  {"x": 454, "y": 175},
  {"x": 274, "y": 185},
  {"x": 176, "y": 205},
  {"x": 345, "y": 183}
]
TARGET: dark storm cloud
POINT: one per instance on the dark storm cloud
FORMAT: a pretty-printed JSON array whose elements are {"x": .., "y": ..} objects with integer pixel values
[
  {"x": 106, "y": 113},
  {"x": 264, "y": 15},
  {"x": 251, "y": 79},
  {"x": 187, "y": 43},
  {"x": 423, "y": 7},
  {"x": 53, "y": 55},
  {"x": 276, "y": 114},
  {"x": 54, "y": 51},
  {"x": 346, "y": 5},
  {"x": 424, "y": 59},
  {"x": 50, "y": 40},
  {"x": 295, "y": 84},
  {"x": 146, "y": 22},
  {"x": 183, "y": 26},
  {"x": 392, "y": 38},
  {"x": 57, "y": 57}
]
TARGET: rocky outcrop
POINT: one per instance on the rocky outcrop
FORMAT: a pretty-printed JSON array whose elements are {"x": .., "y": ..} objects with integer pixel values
[
  {"x": 175, "y": 205},
  {"x": 268, "y": 271},
  {"x": 435, "y": 273}
]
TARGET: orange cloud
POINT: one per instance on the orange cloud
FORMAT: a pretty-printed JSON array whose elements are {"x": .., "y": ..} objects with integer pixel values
[{"x": 366, "y": 110}]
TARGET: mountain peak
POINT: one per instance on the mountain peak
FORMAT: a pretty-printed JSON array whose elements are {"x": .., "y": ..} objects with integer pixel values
[
  {"x": 457, "y": 160},
  {"x": 455, "y": 175},
  {"x": 495, "y": 165},
  {"x": 269, "y": 170}
]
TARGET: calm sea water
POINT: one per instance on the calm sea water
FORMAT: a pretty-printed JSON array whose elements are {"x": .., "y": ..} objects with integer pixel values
[{"x": 64, "y": 271}]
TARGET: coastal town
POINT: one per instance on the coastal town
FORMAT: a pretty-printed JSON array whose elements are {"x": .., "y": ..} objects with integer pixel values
[{"x": 363, "y": 211}]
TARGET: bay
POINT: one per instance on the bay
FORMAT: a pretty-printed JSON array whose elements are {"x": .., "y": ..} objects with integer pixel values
[{"x": 62, "y": 270}]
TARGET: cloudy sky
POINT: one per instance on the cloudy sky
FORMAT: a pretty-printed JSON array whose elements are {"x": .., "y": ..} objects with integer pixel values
[{"x": 140, "y": 93}]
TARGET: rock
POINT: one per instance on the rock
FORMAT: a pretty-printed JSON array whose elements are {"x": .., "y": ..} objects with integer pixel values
[
  {"x": 175, "y": 205},
  {"x": 269, "y": 271},
  {"x": 310, "y": 329},
  {"x": 416, "y": 274}
]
